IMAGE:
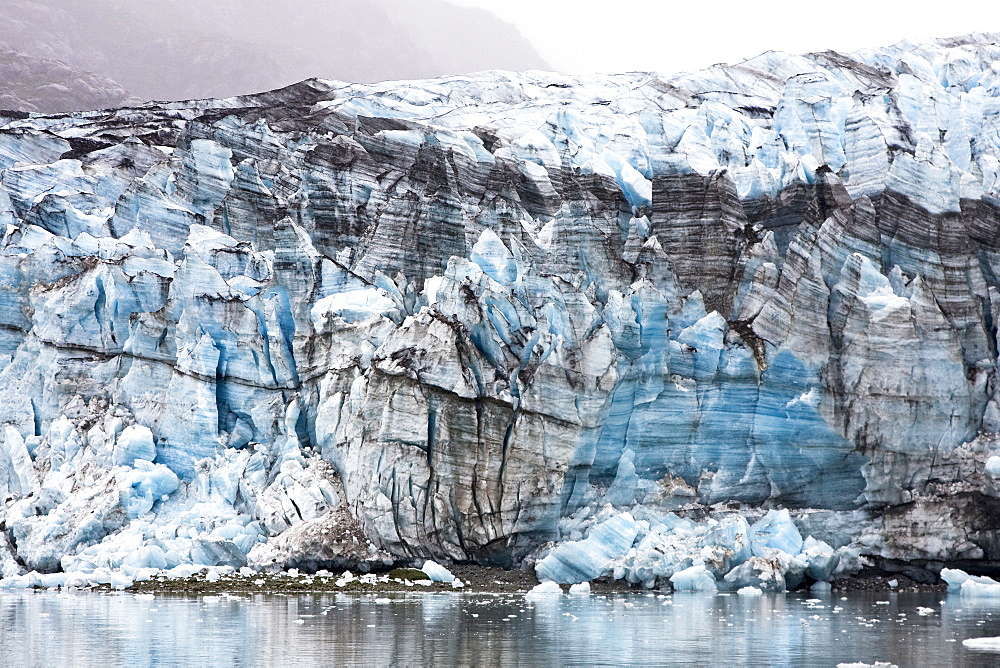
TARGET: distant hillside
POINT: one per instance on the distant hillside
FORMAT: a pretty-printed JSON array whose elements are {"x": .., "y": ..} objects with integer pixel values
[
  {"x": 181, "y": 49},
  {"x": 50, "y": 86}
]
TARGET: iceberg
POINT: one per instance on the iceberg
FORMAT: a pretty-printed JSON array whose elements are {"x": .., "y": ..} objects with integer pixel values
[
  {"x": 749, "y": 591},
  {"x": 977, "y": 589},
  {"x": 543, "y": 590},
  {"x": 957, "y": 579},
  {"x": 983, "y": 644},
  {"x": 436, "y": 572},
  {"x": 695, "y": 578}
]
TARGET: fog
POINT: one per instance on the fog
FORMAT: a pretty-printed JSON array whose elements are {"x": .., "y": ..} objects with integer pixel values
[
  {"x": 118, "y": 51},
  {"x": 176, "y": 49},
  {"x": 670, "y": 36}
]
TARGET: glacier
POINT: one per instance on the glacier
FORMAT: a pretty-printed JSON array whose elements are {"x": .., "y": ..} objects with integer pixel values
[{"x": 737, "y": 325}]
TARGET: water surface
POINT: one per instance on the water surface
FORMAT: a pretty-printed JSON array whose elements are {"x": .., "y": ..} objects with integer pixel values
[{"x": 44, "y": 628}]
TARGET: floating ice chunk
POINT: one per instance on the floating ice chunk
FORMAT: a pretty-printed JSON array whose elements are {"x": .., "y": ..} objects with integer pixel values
[
  {"x": 821, "y": 587},
  {"x": 973, "y": 589},
  {"x": 584, "y": 560},
  {"x": 696, "y": 578},
  {"x": 581, "y": 589},
  {"x": 141, "y": 574},
  {"x": 75, "y": 579},
  {"x": 50, "y": 580},
  {"x": 983, "y": 644},
  {"x": 546, "y": 588},
  {"x": 775, "y": 530},
  {"x": 135, "y": 442},
  {"x": 749, "y": 591},
  {"x": 15, "y": 582},
  {"x": 956, "y": 578},
  {"x": 436, "y": 572}
]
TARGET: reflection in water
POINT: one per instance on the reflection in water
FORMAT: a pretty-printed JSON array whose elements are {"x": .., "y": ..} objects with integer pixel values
[{"x": 50, "y": 628}]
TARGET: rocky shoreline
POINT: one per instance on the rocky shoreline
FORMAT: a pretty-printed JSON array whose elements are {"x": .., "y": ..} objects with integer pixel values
[{"x": 474, "y": 579}]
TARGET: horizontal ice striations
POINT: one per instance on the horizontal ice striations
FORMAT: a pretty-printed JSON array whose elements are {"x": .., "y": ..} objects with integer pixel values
[{"x": 455, "y": 319}]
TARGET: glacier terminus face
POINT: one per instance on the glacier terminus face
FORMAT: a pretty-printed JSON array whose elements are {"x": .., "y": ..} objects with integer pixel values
[{"x": 727, "y": 329}]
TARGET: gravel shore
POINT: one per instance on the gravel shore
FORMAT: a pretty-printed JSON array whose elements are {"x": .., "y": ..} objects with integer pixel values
[{"x": 474, "y": 579}]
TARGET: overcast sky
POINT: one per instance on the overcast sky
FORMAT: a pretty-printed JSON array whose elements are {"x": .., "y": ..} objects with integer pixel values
[{"x": 623, "y": 35}]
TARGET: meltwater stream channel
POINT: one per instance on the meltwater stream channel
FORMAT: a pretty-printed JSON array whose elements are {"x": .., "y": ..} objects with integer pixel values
[{"x": 42, "y": 628}]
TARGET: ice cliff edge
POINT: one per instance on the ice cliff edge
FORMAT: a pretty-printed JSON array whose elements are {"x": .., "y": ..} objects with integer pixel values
[{"x": 458, "y": 318}]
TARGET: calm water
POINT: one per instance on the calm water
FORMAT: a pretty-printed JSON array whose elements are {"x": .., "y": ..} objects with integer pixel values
[{"x": 53, "y": 629}]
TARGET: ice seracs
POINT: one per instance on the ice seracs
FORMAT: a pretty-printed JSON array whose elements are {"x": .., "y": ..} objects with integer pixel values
[{"x": 740, "y": 321}]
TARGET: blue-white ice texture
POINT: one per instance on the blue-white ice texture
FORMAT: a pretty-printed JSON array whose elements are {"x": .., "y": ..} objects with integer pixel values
[{"x": 722, "y": 553}]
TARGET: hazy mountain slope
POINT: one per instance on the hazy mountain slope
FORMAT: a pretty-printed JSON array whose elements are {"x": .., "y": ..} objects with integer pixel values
[
  {"x": 51, "y": 86},
  {"x": 180, "y": 49}
]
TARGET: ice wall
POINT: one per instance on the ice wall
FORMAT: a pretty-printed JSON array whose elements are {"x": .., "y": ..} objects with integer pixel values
[{"x": 457, "y": 318}]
